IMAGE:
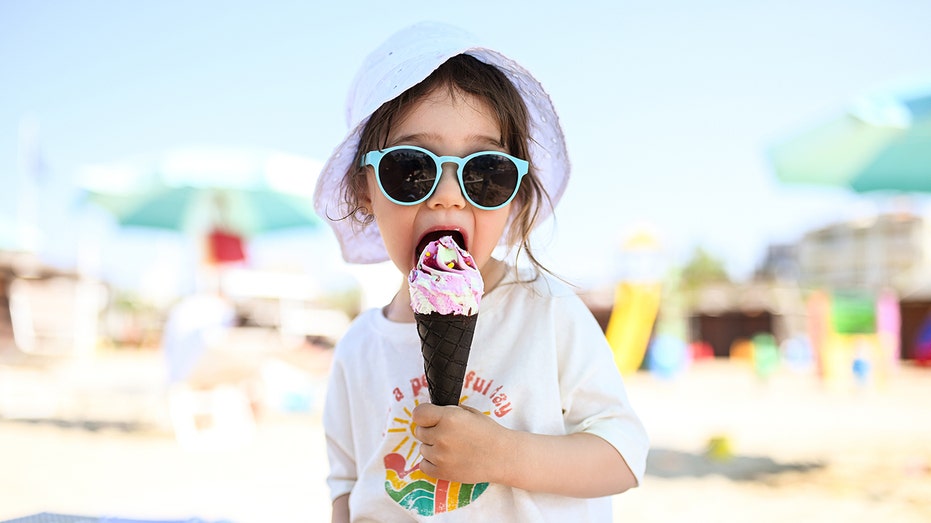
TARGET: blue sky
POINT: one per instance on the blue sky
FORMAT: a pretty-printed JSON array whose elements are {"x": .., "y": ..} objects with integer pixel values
[{"x": 667, "y": 105}]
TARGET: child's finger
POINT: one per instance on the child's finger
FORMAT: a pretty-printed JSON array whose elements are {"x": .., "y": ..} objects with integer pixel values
[
  {"x": 423, "y": 434},
  {"x": 427, "y": 414}
]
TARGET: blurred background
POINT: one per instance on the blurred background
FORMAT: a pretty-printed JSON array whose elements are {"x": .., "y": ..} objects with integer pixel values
[{"x": 748, "y": 219}]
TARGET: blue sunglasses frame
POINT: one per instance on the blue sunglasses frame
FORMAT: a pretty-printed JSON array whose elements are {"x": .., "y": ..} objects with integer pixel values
[{"x": 373, "y": 158}]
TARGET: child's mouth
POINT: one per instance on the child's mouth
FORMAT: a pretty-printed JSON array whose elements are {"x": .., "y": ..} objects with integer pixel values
[{"x": 436, "y": 235}]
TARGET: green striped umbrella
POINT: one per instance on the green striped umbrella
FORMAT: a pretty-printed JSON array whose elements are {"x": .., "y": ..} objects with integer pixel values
[
  {"x": 882, "y": 143},
  {"x": 245, "y": 191}
]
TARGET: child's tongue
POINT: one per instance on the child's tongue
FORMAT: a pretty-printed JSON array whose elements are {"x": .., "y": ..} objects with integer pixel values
[{"x": 436, "y": 235}]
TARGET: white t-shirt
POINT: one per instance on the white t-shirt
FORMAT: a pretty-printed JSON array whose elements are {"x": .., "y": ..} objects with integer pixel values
[{"x": 539, "y": 363}]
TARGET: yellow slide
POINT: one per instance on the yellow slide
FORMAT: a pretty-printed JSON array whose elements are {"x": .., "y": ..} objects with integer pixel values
[{"x": 635, "y": 309}]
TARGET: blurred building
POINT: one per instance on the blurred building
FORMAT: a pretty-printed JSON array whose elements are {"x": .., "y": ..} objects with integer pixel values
[
  {"x": 781, "y": 263},
  {"x": 888, "y": 251},
  {"x": 892, "y": 251},
  {"x": 859, "y": 257},
  {"x": 45, "y": 310},
  {"x": 725, "y": 314}
]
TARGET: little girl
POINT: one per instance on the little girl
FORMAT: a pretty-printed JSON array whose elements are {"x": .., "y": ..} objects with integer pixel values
[{"x": 544, "y": 430}]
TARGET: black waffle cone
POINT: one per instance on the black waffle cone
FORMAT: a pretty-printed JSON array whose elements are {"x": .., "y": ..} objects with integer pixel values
[{"x": 445, "y": 341}]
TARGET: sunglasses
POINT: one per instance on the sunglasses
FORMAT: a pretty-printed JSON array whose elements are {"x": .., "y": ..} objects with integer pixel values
[{"x": 409, "y": 175}]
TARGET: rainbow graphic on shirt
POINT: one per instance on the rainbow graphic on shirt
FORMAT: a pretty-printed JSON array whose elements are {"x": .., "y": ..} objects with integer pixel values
[
  {"x": 416, "y": 491},
  {"x": 405, "y": 482}
]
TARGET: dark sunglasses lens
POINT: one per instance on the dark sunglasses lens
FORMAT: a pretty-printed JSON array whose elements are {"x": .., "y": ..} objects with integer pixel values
[
  {"x": 490, "y": 179},
  {"x": 407, "y": 175}
]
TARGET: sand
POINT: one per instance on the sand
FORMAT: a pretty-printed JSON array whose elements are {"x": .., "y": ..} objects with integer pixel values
[{"x": 726, "y": 447}]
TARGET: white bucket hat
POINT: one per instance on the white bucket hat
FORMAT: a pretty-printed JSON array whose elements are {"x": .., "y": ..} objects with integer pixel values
[{"x": 401, "y": 62}]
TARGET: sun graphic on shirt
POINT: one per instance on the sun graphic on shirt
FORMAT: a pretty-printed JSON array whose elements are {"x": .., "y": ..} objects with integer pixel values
[
  {"x": 409, "y": 486},
  {"x": 406, "y": 426}
]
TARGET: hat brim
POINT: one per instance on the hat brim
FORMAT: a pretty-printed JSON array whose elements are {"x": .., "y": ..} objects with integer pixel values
[{"x": 402, "y": 62}]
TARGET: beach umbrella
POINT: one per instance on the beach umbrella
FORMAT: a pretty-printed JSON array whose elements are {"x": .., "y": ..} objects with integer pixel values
[
  {"x": 244, "y": 191},
  {"x": 882, "y": 142}
]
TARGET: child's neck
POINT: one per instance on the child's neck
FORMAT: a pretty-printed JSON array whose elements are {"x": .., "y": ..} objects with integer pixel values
[{"x": 399, "y": 309}]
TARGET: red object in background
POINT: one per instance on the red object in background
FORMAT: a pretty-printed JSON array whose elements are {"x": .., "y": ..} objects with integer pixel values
[
  {"x": 701, "y": 350},
  {"x": 225, "y": 247}
]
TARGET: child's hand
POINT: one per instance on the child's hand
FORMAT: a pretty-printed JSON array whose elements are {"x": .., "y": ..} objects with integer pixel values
[{"x": 459, "y": 443}]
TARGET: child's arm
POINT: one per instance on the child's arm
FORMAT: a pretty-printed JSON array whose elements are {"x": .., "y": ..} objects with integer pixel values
[
  {"x": 340, "y": 509},
  {"x": 461, "y": 444}
]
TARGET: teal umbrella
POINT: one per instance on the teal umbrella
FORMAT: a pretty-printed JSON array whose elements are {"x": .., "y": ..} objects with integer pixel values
[
  {"x": 883, "y": 142},
  {"x": 244, "y": 191}
]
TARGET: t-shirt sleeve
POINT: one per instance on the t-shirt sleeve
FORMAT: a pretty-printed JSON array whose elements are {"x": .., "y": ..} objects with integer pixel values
[
  {"x": 337, "y": 426},
  {"x": 593, "y": 395}
]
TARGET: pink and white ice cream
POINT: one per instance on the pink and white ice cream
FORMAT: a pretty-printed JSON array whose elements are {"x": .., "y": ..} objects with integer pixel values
[{"x": 445, "y": 280}]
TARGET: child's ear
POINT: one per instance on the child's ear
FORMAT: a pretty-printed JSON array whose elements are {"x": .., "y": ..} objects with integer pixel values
[{"x": 365, "y": 200}]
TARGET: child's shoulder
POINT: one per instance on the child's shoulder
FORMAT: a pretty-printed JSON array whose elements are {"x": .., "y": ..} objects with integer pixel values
[
  {"x": 371, "y": 328},
  {"x": 538, "y": 284},
  {"x": 363, "y": 327},
  {"x": 538, "y": 294}
]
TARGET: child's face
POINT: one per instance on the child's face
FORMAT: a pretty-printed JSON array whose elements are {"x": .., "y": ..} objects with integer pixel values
[{"x": 446, "y": 125}]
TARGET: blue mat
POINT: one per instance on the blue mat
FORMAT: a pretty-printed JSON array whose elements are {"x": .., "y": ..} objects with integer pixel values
[{"x": 47, "y": 517}]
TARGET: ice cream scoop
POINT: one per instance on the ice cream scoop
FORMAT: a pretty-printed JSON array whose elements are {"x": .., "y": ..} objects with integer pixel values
[{"x": 445, "y": 280}]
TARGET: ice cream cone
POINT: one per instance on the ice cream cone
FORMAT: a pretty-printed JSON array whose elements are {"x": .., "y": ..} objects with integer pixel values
[{"x": 445, "y": 343}]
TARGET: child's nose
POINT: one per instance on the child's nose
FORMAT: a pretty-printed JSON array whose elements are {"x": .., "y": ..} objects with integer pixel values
[{"x": 448, "y": 193}]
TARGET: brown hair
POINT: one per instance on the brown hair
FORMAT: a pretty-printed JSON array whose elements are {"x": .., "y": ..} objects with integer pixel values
[{"x": 469, "y": 75}]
